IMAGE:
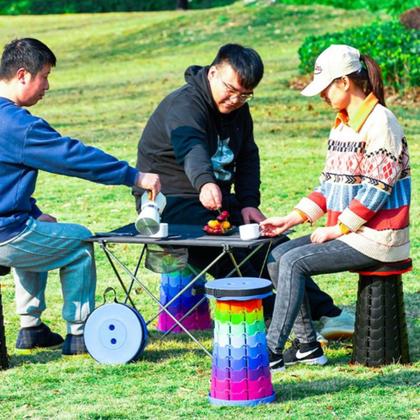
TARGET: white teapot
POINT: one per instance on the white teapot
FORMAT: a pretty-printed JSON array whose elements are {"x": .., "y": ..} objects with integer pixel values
[{"x": 148, "y": 221}]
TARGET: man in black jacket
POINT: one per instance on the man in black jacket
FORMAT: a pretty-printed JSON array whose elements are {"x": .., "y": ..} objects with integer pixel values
[{"x": 200, "y": 141}]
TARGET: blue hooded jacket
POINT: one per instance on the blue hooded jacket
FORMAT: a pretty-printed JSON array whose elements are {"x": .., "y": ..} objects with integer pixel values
[{"x": 28, "y": 144}]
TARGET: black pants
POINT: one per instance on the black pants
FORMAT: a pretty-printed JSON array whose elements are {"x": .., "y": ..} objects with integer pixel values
[{"x": 181, "y": 210}]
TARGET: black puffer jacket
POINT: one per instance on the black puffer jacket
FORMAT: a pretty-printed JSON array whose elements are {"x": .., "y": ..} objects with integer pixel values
[{"x": 188, "y": 142}]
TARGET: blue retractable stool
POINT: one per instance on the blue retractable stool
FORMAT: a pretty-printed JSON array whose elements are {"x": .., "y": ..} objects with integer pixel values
[{"x": 115, "y": 333}]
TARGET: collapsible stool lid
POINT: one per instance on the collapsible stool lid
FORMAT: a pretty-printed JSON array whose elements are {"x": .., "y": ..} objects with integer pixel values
[{"x": 239, "y": 288}]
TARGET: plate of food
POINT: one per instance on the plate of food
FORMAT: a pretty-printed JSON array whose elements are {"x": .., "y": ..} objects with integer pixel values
[{"x": 220, "y": 225}]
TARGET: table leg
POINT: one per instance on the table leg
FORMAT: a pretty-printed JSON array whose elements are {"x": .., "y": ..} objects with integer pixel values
[
  {"x": 237, "y": 269},
  {"x": 228, "y": 250},
  {"x": 152, "y": 296},
  {"x": 265, "y": 257},
  {"x": 136, "y": 270},
  {"x": 108, "y": 254},
  {"x": 185, "y": 315},
  {"x": 203, "y": 271}
]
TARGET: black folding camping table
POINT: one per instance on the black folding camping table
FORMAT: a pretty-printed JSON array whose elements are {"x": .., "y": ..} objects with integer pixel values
[{"x": 179, "y": 236}]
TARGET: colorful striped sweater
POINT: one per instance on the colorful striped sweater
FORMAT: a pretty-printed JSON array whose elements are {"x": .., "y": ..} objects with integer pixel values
[{"x": 366, "y": 183}]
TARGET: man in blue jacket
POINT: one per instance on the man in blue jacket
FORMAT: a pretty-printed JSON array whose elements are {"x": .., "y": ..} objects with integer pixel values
[{"x": 31, "y": 241}]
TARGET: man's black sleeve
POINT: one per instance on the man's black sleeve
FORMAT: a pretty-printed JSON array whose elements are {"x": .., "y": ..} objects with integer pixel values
[{"x": 186, "y": 127}]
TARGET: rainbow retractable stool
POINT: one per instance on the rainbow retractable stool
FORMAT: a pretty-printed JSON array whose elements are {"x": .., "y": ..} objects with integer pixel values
[
  {"x": 171, "y": 284},
  {"x": 240, "y": 365}
]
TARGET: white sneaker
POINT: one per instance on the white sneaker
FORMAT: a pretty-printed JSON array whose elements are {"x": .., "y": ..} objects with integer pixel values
[{"x": 341, "y": 326}]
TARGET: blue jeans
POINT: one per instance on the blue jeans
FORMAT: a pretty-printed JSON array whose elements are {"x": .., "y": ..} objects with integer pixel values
[
  {"x": 45, "y": 246},
  {"x": 291, "y": 266}
]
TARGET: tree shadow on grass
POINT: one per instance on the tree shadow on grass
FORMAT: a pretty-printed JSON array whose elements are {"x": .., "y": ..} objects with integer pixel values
[
  {"x": 407, "y": 376},
  {"x": 291, "y": 391},
  {"x": 35, "y": 357},
  {"x": 174, "y": 345}
]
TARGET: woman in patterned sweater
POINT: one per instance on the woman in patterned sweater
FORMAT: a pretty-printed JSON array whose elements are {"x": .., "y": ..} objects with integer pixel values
[{"x": 364, "y": 190}]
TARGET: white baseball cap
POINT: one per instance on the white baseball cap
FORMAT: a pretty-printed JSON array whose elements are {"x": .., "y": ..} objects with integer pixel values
[{"x": 334, "y": 62}]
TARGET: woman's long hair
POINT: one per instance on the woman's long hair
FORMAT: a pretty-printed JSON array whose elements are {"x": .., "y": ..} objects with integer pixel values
[{"x": 369, "y": 78}]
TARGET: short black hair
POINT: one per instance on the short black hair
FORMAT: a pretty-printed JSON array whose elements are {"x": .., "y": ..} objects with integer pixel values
[
  {"x": 27, "y": 53},
  {"x": 245, "y": 61}
]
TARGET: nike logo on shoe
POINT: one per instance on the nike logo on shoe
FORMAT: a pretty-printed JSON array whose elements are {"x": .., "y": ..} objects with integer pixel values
[{"x": 302, "y": 354}]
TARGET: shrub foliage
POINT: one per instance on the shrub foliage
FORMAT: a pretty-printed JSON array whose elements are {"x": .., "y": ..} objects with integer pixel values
[
  {"x": 394, "y": 47},
  {"x": 391, "y": 6},
  {"x": 41, "y": 7}
]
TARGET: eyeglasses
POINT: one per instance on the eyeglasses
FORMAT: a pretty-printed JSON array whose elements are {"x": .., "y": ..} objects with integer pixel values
[{"x": 235, "y": 95}]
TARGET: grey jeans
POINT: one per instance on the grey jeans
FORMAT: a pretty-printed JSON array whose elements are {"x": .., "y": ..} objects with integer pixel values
[{"x": 291, "y": 265}]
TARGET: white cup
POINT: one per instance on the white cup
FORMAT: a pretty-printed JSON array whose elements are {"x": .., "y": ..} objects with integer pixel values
[
  {"x": 249, "y": 232},
  {"x": 162, "y": 232}
]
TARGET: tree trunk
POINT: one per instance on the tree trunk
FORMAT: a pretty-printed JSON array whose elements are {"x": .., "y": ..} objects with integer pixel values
[{"x": 182, "y": 4}]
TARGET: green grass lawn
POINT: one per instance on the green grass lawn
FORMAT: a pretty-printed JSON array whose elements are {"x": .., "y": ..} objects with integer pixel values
[{"x": 112, "y": 71}]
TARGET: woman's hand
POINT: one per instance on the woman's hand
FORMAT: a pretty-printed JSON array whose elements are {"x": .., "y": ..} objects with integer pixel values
[
  {"x": 324, "y": 234},
  {"x": 274, "y": 226}
]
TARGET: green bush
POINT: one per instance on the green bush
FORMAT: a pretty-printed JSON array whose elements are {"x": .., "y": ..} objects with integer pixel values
[
  {"x": 395, "y": 48},
  {"x": 42, "y": 7},
  {"x": 391, "y": 6}
]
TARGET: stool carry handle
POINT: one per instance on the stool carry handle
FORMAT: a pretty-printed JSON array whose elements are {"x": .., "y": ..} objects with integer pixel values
[{"x": 107, "y": 290}]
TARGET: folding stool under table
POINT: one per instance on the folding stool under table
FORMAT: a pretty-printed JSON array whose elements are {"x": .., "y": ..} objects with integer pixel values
[{"x": 179, "y": 236}]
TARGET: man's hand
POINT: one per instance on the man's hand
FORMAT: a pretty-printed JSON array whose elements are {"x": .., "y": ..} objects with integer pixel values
[
  {"x": 150, "y": 182},
  {"x": 47, "y": 218},
  {"x": 274, "y": 226},
  {"x": 211, "y": 196},
  {"x": 324, "y": 234},
  {"x": 252, "y": 215}
]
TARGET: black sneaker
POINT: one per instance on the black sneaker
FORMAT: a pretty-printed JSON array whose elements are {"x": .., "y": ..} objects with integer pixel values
[
  {"x": 276, "y": 361},
  {"x": 38, "y": 337},
  {"x": 310, "y": 353},
  {"x": 74, "y": 344}
]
